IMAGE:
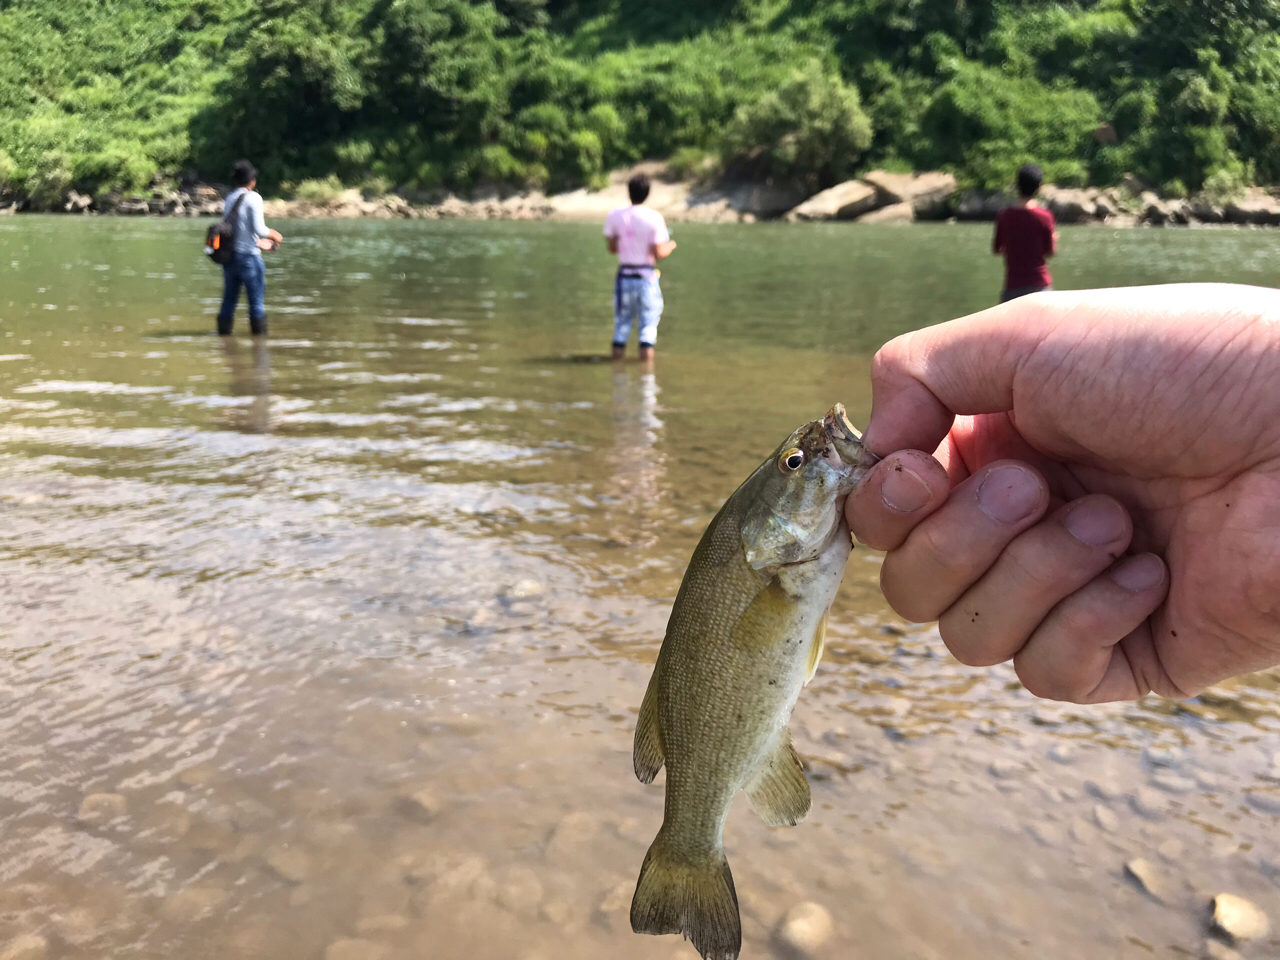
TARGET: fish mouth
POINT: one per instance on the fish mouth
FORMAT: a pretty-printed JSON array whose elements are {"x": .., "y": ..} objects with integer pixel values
[{"x": 846, "y": 439}]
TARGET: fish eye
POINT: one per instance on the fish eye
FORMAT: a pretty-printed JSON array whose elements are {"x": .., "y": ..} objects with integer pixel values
[{"x": 791, "y": 461}]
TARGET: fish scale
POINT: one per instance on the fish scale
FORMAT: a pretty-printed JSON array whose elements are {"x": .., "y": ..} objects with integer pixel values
[{"x": 744, "y": 637}]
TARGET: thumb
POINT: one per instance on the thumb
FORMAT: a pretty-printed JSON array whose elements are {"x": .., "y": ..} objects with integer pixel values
[{"x": 921, "y": 381}]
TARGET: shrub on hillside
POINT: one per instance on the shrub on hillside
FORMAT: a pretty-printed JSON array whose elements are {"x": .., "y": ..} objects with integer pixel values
[
  {"x": 690, "y": 163},
  {"x": 984, "y": 124},
  {"x": 8, "y": 172},
  {"x": 1223, "y": 186},
  {"x": 49, "y": 181},
  {"x": 812, "y": 130},
  {"x": 319, "y": 191}
]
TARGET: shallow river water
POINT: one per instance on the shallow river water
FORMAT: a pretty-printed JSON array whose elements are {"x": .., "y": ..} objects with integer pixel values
[{"x": 331, "y": 647}]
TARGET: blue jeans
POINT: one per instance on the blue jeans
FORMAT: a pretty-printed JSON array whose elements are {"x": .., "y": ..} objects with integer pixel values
[
  {"x": 636, "y": 300},
  {"x": 247, "y": 270}
]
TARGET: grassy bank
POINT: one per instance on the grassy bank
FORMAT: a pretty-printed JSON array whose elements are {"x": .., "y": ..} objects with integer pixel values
[{"x": 107, "y": 95}]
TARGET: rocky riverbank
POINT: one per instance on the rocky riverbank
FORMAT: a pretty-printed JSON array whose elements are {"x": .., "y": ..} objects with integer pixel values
[{"x": 877, "y": 197}]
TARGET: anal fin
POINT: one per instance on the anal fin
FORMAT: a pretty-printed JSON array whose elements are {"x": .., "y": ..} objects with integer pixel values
[
  {"x": 816, "y": 647},
  {"x": 647, "y": 755},
  {"x": 780, "y": 793}
]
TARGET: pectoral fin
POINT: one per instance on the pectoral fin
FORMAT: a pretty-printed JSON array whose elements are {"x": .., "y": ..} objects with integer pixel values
[
  {"x": 815, "y": 648},
  {"x": 767, "y": 620},
  {"x": 780, "y": 793},
  {"x": 647, "y": 755}
]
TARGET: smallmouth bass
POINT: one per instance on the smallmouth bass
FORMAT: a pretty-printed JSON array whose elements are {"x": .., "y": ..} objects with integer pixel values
[{"x": 745, "y": 636}]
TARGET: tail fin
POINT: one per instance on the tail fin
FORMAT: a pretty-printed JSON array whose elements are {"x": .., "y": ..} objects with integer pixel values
[{"x": 696, "y": 898}]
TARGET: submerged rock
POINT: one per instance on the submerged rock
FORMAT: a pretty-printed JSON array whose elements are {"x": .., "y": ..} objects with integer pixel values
[
  {"x": 99, "y": 808},
  {"x": 1147, "y": 877},
  {"x": 1149, "y": 804},
  {"x": 1002, "y": 768},
  {"x": 192, "y": 904},
  {"x": 803, "y": 930},
  {"x": 289, "y": 863},
  {"x": 421, "y": 805},
  {"x": 524, "y": 590},
  {"x": 521, "y": 891},
  {"x": 571, "y": 834},
  {"x": 1105, "y": 818},
  {"x": 1267, "y": 801},
  {"x": 617, "y": 898},
  {"x": 1239, "y": 919},
  {"x": 1213, "y": 950},
  {"x": 382, "y": 923},
  {"x": 78, "y": 926},
  {"x": 1171, "y": 782},
  {"x": 1063, "y": 753},
  {"x": 29, "y": 946},
  {"x": 1163, "y": 756},
  {"x": 558, "y": 912},
  {"x": 1044, "y": 833}
]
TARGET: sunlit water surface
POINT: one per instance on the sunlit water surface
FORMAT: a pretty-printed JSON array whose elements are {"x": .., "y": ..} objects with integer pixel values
[{"x": 331, "y": 646}]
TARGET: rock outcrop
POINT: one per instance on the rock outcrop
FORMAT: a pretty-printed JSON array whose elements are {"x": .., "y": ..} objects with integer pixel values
[
  {"x": 877, "y": 197},
  {"x": 1257, "y": 208},
  {"x": 844, "y": 201},
  {"x": 928, "y": 193},
  {"x": 1070, "y": 205},
  {"x": 980, "y": 204},
  {"x": 894, "y": 213}
]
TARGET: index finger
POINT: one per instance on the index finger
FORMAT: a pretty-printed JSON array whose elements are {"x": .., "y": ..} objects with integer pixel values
[{"x": 1063, "y": 363}]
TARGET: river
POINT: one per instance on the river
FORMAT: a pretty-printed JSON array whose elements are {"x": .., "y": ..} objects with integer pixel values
[{"x": 331, "y": 646}]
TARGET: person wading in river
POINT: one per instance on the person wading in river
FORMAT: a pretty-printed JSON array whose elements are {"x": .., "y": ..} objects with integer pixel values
[
  {"x": 638, "y": 235},
  {"x": 243, "y": 208},
  {"x": 1026, "y": 235}
]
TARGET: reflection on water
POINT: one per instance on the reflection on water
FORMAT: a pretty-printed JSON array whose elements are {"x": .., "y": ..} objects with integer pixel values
[
  {"x": 249, "y": 376},
  {"x": 636, "y": 469},
  {"x": 331, "y": 646}
]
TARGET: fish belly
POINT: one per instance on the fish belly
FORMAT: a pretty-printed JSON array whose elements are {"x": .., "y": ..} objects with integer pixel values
[{"x": 723, "y": 706}]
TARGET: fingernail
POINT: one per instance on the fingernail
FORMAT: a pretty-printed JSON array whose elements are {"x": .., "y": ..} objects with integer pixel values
[
  {"x": 1009, "y": 494},
  {"x": 903, "y": 491},
  {"x": 1138, "y": 573},
  {"x": 1096, "y": 522}
]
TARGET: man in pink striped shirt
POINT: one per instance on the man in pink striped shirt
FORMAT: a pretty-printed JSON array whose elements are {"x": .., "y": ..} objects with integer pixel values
[{"x": 639, "y": 237}]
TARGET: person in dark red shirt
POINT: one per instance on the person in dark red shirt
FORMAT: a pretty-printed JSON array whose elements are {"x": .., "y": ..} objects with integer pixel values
[{"x": 1026, "y": 235}]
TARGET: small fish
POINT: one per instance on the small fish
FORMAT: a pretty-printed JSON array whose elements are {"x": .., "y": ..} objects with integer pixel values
[{"x": 745, "y": 636}]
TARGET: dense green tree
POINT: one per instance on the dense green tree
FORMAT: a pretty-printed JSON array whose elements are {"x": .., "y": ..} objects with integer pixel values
[
  {"x": 812, "y": 129},
  {"x": 113, "y": 94}
]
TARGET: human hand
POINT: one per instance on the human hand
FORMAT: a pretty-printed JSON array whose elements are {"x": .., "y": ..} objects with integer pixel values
[
  {"x": 267, "y": 243},
  {"x": 1105, "y": 503}
]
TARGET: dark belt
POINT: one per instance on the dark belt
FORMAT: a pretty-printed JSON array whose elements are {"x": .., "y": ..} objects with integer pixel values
[{"x": 632, "y": 271}]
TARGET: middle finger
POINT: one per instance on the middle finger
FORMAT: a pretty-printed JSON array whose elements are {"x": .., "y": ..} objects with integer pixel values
[
  {"x": 1052, "y": 560},
  {"x": 950, "y": 550}
]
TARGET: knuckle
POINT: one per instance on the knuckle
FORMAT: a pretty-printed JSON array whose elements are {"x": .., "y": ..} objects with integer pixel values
[
  {"x": 1034, "y": 565},
  {"x": 955, "y": 559},
  {"x": 1086, "y": 624},
  {"x": 888, "y": 360},
  {"x": 905, "y": 598}
]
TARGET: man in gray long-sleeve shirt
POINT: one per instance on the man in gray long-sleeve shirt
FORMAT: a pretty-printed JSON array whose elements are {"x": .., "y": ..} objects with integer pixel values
[{"x": 251, "y": 237}]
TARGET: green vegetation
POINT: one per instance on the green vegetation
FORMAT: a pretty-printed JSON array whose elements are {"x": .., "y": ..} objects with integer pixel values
[{"x": 105, "y": 95}]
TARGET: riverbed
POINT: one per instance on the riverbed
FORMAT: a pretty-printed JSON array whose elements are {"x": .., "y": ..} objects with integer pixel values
[{"x": 331, "y": 645}]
